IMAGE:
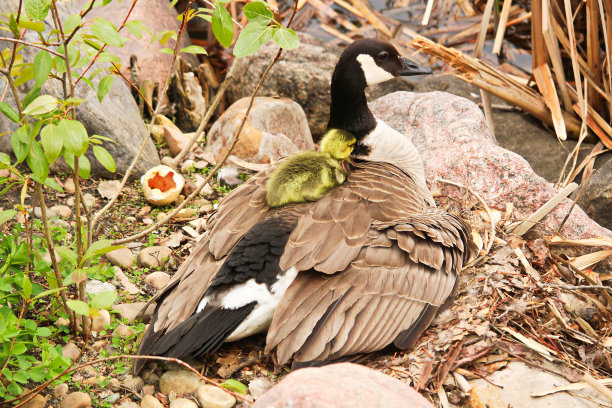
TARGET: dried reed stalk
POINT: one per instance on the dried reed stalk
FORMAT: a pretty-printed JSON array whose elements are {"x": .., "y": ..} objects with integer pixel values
[
  {"x": 493, "y": 81},
  {"x": 501, "y": 27},
  {"x": 546, "y": 85}
]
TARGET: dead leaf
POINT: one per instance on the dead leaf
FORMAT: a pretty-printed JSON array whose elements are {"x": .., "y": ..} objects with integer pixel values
[
  {"x": 175, "y": 240},
  {"x": 109, "y": 188}
]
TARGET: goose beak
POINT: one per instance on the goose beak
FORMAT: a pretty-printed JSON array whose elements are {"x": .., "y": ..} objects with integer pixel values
[{"x": 410, "y": 68}]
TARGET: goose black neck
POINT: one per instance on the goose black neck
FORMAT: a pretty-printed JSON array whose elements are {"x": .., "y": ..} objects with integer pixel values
[{"x": 349, "y": 107}]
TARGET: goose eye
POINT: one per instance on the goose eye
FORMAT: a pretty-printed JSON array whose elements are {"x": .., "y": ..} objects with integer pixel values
[{"x": 383, "y": 55}]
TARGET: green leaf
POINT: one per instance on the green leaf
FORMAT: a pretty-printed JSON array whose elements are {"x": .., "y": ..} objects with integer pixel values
[
  {"x": 72, "y": 22},
  {"x": 6, "y": 215},
  {"x": 235, "y": 385},
  {"x": 194, "y": 49},
  {"x": 108, "y": 139},
  {"x": 78, "y": 276},
  {"x": 20, "y": 148},
  {"x": 42, "y": 104},
  {"x": 105, "y": 158},
  {"x": 48, "y": 292},
  {"x": 67, "y": 254},
  {"x": 106, "y": 56},
  {"x": 103, "y": 300},
  {"x": 100, "y": 248},
  {"x": 19, "y": 348},
  {"x": 49, "y": 182},
  {"x": 37, "y": 162},
  {"x": 37, "y": 9},
  {"x": 43, "y": 332},
  {"x": 27, "y": 287},
  {"x": 222, "y": 26},
  {"x": 135, "y": 28},
  {"x": 5, "y": 160},
  {"x": 84, "y": 167},
  {"x": 9, "y": 112},
  {"x": 52, "y": 142},
  {"x": 286, "y": 38},
  {"x": 74, "y": 135},
  {"x": 79, "y": 307},
  {"x": 106, "y": 32},
  {"x": 251, "y": 38},
  {"x": 32, "y": 25},
  {"x": 24, "y": 76},
  {"x": 43, "y": 62},
  {"x": 30, "y": 96},
  {"x": 257, "y": 11},
  {"x": 167, "y": 51},
  {"x": 104, "y": 86}
]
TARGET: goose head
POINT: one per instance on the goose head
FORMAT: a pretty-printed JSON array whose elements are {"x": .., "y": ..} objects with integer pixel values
[{"x": 363, "y": 63}]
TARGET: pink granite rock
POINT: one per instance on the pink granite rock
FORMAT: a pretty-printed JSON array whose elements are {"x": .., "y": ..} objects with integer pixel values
[
  {"x": 343, "y": 385},
  {"x": 276, "y": 127},
  {"x": 454, "y": 140}
]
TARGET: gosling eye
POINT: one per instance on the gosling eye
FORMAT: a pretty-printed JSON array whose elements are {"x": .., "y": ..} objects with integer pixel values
[{"x": 383, "y": 56}]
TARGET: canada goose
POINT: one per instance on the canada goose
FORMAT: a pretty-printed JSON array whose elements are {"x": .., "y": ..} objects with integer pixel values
[
  {"x": 367, "y": 265},
  {"x": 307, "y": 176}
]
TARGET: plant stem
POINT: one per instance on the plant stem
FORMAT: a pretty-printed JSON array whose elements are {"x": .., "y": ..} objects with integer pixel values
[
  {"x": 51, "y": 248},
  {"x": 29, "y": 44}
]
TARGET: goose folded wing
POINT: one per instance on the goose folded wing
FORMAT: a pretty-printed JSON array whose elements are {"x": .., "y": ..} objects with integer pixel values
[{"x": 388, "y": 294}]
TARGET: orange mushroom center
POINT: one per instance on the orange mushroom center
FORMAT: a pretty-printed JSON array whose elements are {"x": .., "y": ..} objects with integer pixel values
[{"x": 162, "y": 183}]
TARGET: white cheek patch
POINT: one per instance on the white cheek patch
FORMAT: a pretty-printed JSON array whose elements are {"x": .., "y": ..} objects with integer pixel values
[{"x": 372, "y": 72}]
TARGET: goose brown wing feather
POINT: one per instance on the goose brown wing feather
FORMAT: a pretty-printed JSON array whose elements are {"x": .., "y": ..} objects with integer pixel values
[{"x": 400, "y": 289}]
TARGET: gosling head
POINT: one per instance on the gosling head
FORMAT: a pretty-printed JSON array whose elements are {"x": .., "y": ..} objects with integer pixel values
[
  {"x": 338, "y": 144},
  {"x": 375, "y": 61}
]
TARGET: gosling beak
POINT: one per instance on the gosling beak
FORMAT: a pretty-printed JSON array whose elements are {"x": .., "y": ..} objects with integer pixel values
[{"x": 412, "y": 68}]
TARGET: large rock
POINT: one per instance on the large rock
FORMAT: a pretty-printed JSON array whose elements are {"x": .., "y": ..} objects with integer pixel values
[
  {"x": 157, "y": 16},
  {"x": 452, "y": 136},
  {"x": 516, "y": 131},
  {"x": 275, "y": 128},
  {"x": 342, "y": 385},
  {"x": 116, "y": 117},
  {"x": 512, "y": 390},
  {"x": 302, "y": 75},
  {"x": 596, "y": 198}
]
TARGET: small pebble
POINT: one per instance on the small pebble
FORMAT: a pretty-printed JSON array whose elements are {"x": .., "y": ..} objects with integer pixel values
[
  {"x": 188, "y": 166},
  {"x": 186, "y": 213},
  {"x": 147, "y": 221},
  {"x": 71, "y": 350},
  {"x": 38, "y": 401},
  {"x": 114, "y": 384},
  {"x": 122, "y": 257},
  {"x": 154, "y": 257},
  {"x": 123, "y": 331},
  {"x": 160, "y": 216},
  {"x": 133, "y": 383},
  {"x": 183, "y": 403},
  {"x": 157, "y": 279},
  {"x": 60, "y": 390},
  {"x": 213, "y": 397},
  {"x": 259, "y": 386},
  {"x": 150, "y": 401},
  {"x": 179, "y": 382},
  {"x": 113, "y": 398},
  {"x": 69, "y": 185},
  {"x": 102, "y": 319},
  {"x": 62, "y": 210},
  {"x": 76, "y": 399}
]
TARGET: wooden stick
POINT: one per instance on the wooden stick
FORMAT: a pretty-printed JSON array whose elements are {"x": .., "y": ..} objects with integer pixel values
[
  {"x": 534, "y": 218},
  {"x": 546, "y": 86},
  {"x": 501, "y": 27},
  {"x": 427, "y": 14}
]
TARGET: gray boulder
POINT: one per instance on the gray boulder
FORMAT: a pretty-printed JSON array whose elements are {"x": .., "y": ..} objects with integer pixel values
[
  {"x": 116, "y": 117},
  {"x": 596, "y": 198}
]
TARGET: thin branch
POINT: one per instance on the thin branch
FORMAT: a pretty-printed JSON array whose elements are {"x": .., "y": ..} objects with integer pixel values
[
  {"x": 50, "y": 246},
  {"x": 235, "y": 139},
  {"x": 94, "y": 59},
  {"x": 29, "y": 44},
  {"x": 575, "y": 287}
]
